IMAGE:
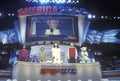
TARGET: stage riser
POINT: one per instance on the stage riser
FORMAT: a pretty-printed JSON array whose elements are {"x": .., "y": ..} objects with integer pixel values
[{"x": 54, "y": 72}]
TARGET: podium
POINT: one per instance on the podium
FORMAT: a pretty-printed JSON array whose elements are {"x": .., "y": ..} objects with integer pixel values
[{"x": 26, "y": 71}]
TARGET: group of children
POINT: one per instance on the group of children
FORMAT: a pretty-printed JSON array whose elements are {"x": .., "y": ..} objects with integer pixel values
[{"x": 72, "y": 55}]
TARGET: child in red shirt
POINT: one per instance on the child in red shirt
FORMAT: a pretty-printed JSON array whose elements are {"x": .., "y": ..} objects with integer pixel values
[
  {"x": 23, "y": 54},
  {"x": 72, "y": 53}
]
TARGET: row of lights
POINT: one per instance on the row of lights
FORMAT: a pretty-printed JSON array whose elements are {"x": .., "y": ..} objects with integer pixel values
[
  {"x": 102, "y": 17},
  {"x": 54, "y": 1},
  {"x": 58, "y": 80},
  {"x": 89, "y": 16},
  {"x": 9, "y": 14}
]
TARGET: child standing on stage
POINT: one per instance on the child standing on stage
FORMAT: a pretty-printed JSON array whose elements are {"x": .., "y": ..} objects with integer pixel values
[
  {"x": 72, "y": 53},
  {"x": 23, "y": 54},
  {"x": 42, "y": 55},
  {"x": 56, "y": 53}
]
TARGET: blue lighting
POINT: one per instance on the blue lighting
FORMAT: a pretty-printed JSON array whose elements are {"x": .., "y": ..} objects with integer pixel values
[
  {"x": 60, "y": 1},
  {"x": 94, "y": 16},
  {"x": 89, "y": 16},
  {"x": 54, "y": 1},
  {"x": 0, "y": 14},
  {"x": 43, "y": 1}
]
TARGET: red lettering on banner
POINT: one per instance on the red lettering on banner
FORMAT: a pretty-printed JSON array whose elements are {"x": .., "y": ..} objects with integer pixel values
[
  {"x": 32, "y": 10},
  {"x": 48, "y": 9},
  {"x": 55, "y": 9},
  {"x": 38, "y": 10}
]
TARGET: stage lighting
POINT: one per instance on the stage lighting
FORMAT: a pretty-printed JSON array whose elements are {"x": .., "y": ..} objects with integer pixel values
[
  {"x": 9, "y": 14},
  {"x": 14, "y": 80},
  {"x": 106, "y": 17},
  {"x": 114, "y": 17},
  {"x": 43, "y": 1},
  {"x": 68, "y": 80},
  {"x": 118, "y": 17},
  {"x": 89, "y": 79},
  {"x": 38, "y": 80},
  {"x": 77, "y": 1},
  {"x": 0, "y": 14},
  {"x": 60, "y": 1},
  {"x": 89, "y": 16},
  {"x": 28, "y": 80},
  {"x": 35, "y": 1},
  {"x": 8, "y": 80},
  {"x": 48, "y": 80},
  {"x": 102, "y": 17},
  {"x": 13, "y": 14},
  {"x": 54, "y": 1},
  {"x": 93, "y": 16},
  {"x": 79, "y": 80},
  {"x": 69, "y": 1},
  {"x": 58, "y": 80}
]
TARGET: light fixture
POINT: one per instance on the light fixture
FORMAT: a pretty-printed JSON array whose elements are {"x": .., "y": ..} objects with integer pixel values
[
  {"x": 0, "y": 14},
  {"x": 54, "y": 1},
  {"x": 89, "y": 16}
]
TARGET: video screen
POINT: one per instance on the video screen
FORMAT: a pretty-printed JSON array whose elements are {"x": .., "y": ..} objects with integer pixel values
[{"x": 52, "y": 28}]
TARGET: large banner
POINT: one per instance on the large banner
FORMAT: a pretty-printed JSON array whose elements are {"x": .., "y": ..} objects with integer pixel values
[
  {"x": 107, "y": 36},
  {"x": 8, "y": 36}
]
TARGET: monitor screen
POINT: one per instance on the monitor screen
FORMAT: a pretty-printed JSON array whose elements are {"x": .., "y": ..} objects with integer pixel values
[{"x": 52, "y": 28}]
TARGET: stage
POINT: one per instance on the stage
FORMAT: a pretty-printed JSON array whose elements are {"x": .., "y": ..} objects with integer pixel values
[{"x": 27, "y": 71}]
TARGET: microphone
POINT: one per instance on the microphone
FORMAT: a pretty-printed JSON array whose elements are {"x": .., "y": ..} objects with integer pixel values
[{"x": 51, "y": 30}]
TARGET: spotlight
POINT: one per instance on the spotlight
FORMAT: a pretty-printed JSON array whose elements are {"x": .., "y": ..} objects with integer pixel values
[
  {"x": 48, "y": 80},
  {"x": 58, "y": 80},
  {"x": 89, "y": 16},
  {"x": 106, "y": 17},
  {"x": 94, "y": 16},
  {"x": 60, "y": 1},
  {"x": 43, "y": 1},
  {"x": 9, "y": 14},
  {"x": 35, "y": 0},
  {"x": 79, "y": 80},
  {"x": 118, "y": 17},
  {"x": 69, "y": 1},
  {"x": 13, "y": 14},
  {"x": 77, "y": 1},
  {"x": 0, "y": 14},
  {"x": 38, "y": 80},
  {"x": 28, "y": 80},
  {"x": 102, "y": 17},
  {"x": 114, "y": 17},
  {"x": 54, "y": 1},
  {"x": 89, "y": 79},
  {"x": 14, "y": 80},
  {"x": 8, "y": 80},
  {"x": 68, "y": 80}
]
